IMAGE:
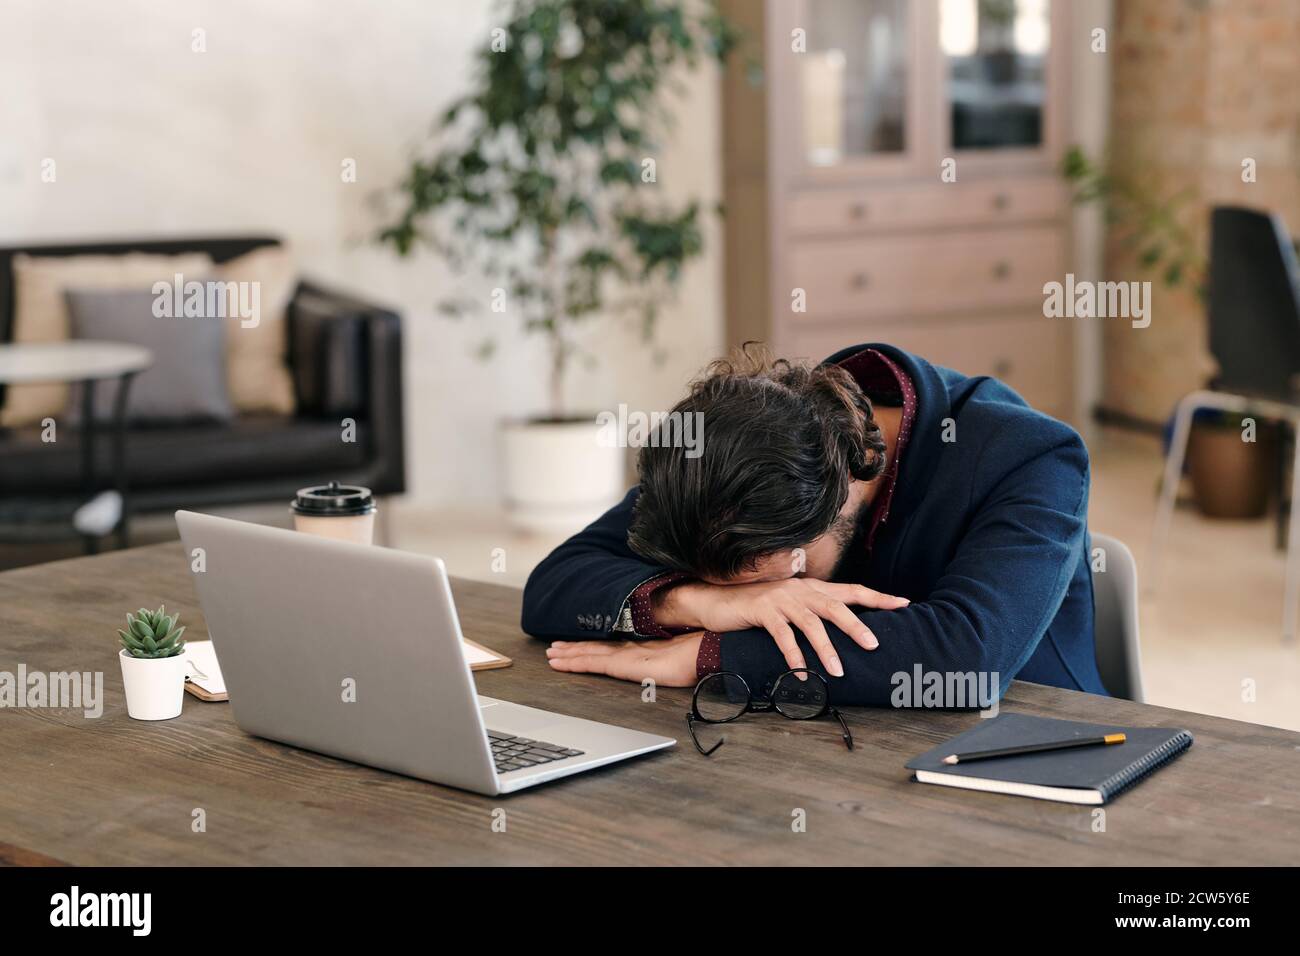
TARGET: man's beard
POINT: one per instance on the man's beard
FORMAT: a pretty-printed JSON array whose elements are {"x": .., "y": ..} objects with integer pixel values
[{"x": 852, "y": 532}]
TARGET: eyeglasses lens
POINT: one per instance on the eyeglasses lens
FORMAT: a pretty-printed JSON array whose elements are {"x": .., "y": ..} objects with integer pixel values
[
  {"x": 800, "y": 699},
  {"x": 721, "y": 697}
]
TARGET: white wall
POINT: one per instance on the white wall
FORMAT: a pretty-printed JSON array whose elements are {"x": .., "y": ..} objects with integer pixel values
[{"x": 151, "y": 138}]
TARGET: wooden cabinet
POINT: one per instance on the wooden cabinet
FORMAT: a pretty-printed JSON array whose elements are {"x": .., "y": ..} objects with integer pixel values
[
  {"x": 905, "y": 155},
  {"x": 902, "y": 206},
  {"x": 883, "y": 277}
]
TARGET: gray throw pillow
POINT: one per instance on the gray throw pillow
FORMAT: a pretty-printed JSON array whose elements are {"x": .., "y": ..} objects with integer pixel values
[{"x": 187, "y": 381}]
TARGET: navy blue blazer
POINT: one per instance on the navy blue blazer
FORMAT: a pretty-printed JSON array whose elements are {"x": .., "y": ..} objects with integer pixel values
[{"x": 987, "y": 536}]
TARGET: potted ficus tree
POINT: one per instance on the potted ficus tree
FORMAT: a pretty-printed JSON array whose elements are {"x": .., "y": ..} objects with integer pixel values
[
  {"x": 153, "y": 664},
  {"x": 543, "y": 179}
]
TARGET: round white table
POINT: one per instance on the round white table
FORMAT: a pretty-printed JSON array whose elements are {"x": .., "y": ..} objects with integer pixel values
[
  {"x": 84, "y": 363},
  {"x": 75, "y": 361}
]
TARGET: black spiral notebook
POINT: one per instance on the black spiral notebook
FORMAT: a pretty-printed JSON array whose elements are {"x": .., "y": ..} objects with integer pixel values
[{"x": 1090, "y": 775}]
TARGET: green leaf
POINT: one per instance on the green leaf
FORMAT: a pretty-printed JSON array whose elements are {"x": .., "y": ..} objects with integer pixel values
[
  {"x": 619, "y": 170},
  {"x": 1075, "y": 165}
]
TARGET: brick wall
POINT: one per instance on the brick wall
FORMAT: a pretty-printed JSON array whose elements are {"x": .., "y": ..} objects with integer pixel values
[{"x": 1198, "y": 85}]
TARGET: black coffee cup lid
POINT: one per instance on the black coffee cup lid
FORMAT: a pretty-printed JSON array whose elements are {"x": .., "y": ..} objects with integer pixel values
[{"x": 334, "y": 499}]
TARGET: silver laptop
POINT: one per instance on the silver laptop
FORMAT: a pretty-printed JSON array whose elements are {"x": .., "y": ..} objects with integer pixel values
[{"x": 355, "y": 651}]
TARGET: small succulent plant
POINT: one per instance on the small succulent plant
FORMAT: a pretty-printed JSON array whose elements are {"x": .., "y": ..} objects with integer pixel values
[{"x": 152, "y": 634}]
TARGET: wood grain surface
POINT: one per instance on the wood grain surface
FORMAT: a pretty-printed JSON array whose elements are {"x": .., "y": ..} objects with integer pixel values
[{"x": 116, "y": 791}]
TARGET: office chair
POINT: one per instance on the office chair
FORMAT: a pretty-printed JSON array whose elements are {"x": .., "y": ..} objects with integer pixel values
[
  {"x": 1115, "y": 616},
  {"x": 1254, "y": 320}
]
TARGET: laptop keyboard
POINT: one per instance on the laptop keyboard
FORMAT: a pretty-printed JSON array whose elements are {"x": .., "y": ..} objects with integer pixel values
[{"x": 519, "y": 753}]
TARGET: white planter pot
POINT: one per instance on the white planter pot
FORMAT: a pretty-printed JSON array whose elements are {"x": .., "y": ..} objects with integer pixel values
[
  {"x": 155, "y": 688},
  {"x": 558, "y": 476}
]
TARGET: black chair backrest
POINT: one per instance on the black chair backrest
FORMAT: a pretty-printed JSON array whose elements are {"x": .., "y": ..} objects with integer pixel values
[{"x": 1254, "y": 304}]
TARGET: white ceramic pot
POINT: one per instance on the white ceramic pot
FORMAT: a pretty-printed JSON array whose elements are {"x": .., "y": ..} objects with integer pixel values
[
  {"x": 558, "y": 475},
  {"x": 155, "y": 687}
]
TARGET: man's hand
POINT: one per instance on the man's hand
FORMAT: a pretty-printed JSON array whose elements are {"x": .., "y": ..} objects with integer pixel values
[
  {"x": 670, "y": 662},
  {"x": 775, "y": 606}
]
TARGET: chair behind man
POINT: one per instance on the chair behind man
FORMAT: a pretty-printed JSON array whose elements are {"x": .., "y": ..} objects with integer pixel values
[
  {"x": 1254, "y": 318},
  {"x": 1115, "y": 614}
]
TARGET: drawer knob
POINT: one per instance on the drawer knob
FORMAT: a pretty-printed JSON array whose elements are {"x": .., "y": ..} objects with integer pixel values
[
  {"x": 858, "y": 211},
  {"x": 1002, "y": 368},
  {"x": 1001, "y": 269},
  {"x": 1001, "y": 201},
  {"x": 860, "y": 280}
]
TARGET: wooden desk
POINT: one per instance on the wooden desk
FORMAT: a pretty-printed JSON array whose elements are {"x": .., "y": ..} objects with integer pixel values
[{"x": 117, "y": 791}]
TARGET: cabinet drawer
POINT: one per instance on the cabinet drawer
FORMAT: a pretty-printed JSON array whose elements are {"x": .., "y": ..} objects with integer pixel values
[
  {"x": 1031, "y": 354},
  {"x": 863, "y": 209},
  {"x": 966, "y": 272}
]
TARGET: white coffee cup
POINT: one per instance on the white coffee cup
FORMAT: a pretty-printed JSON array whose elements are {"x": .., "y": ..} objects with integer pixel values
[{"x": 344, "y": 512}]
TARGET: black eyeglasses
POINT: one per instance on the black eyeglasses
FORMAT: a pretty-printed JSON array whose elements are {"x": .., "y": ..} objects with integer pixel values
[{"x": 721, "y": 698}]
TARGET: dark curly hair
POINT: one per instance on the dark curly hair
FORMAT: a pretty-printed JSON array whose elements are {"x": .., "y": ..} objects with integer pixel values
[{"x": 781, "y": 442}]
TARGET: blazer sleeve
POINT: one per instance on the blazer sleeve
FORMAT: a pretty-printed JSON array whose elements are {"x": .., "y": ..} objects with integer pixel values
[
  {"x": 996, "y": 596},
  {"x": 580, "y": 589}
]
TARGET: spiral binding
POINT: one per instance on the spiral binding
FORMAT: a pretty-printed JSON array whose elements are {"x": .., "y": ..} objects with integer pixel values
[{"x": 1119, "y": 782}]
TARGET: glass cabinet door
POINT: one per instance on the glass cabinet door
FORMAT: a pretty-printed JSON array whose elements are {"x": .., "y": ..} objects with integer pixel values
[
  {"x": 995, "y": 55},
  {"x": 854, "y": 81}
]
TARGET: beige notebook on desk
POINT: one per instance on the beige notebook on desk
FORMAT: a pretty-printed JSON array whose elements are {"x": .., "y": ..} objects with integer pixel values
[
  {"x": 203, "y": 674},
  {"x": 205, "y": 682},
  {"x": 482, "y": 658}
]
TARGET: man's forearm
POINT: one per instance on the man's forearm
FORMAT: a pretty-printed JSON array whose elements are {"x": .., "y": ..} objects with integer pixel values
[
  {"x": 937, "y": 638},
  {"x": 674, "y": 606}
]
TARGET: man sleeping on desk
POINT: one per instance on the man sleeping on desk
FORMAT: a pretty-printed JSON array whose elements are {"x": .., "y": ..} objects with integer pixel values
[{"x": 870, "y": 516}]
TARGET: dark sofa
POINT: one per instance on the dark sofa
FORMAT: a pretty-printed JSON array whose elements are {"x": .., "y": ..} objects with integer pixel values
[{"x": 346, "y": 362}]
